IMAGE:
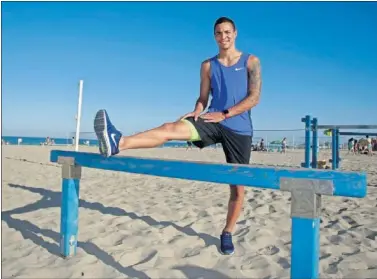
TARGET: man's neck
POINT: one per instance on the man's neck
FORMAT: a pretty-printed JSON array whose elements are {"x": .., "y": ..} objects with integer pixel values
[{"x": 228, "y": 53}]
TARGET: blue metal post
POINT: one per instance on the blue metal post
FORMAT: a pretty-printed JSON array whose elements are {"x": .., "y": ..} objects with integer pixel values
[
  {"x": 315, "y": 143},
  {"x": 69, "y": 209},
  {"x": 337, "y": 149},
  {"x": 333, "y": 149},
  {"x": 307, "y": 121},
  {"x": 305, "y": 248},
  {"x": 305, "y": 213}
]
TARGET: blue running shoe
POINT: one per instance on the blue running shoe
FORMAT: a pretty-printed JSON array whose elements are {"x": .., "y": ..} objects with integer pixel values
[
  {"x": 108, "y": 136},
  {"x": 227, "y": 247}
]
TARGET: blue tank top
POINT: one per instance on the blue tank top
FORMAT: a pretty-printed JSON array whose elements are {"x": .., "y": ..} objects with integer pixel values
[{"x": 229, "y": 86}]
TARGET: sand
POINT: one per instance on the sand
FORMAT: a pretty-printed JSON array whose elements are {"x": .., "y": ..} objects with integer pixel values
[{"x": 138, "y": 226}]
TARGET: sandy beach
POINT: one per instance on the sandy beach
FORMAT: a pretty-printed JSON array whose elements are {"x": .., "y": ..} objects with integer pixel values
[{"x": 137, "y": 226}]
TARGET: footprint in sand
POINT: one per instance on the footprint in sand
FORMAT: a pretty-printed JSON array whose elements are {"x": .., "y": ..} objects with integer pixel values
[
  {"x": 352, "y": 251},
  {"x": 372, "y": 235},
  {"x": 283, "y": 262},
  {"x": 349, "y": 220},
  {"x": 333, "y": 266},
  {"x": 331, "y": 224},
  {"x": 191, "y": 252},
  {"x": 271, "y": 209},
  {"x": 242, "y": 232},
  {"x": 268, "y": 250},
  {"x": 335, "y": 239},
  {"x": 325, "y": 256}
]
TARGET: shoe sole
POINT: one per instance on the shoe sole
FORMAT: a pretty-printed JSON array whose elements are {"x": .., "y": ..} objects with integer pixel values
[
  {"x": 226, "y": 254},
  {"x": 100, "y": 127}
]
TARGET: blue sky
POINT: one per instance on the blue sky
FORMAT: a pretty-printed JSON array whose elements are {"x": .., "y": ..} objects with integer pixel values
[{"x": 141, "y": 62}]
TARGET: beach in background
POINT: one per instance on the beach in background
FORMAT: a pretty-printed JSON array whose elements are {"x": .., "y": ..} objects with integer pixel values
[
  {"x": 139, "y": 226},
  {"x": 272, "y": 141}
]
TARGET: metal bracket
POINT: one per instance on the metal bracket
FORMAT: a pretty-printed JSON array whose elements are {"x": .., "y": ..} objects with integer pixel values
[
  {"x": 305, "y": 203},
  {"x": 306, "y": 195},
  {"x": 319, "y": 186},
  {"x": 66, "y": 160},
  {"x": 69, "y": 169}
]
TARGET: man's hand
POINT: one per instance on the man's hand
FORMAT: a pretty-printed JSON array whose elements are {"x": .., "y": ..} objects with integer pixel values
[
  {"x": 213, "y": 117},
  {"x": 194, "y": 114}
]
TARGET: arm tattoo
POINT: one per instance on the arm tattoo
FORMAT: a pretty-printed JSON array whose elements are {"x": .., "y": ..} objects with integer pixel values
[{"x": 255, "y": 78}]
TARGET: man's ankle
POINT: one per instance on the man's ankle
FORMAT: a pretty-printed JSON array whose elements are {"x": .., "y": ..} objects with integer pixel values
[{"x": 121, "y": 144}]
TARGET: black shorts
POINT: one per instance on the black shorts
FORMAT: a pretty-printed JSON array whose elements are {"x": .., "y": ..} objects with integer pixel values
[{"x": 237, "y": 148}]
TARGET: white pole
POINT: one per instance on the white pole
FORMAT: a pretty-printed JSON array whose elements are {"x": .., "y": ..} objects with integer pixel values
[{"x": 78, "y": 118}]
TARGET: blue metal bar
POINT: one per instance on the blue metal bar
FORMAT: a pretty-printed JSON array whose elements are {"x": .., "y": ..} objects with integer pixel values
[
  {"x": 357, "y": 134},
  {"x": 307, "y": 121},
  {"x": 350, "y": 184},
  {"x": 69, "y": 216},
  {"x": 305, "y": 248},
  {"x": 315, "y": 143},
  {"x": 347, "y": 127},
  {"x": 333, "y": 149}
]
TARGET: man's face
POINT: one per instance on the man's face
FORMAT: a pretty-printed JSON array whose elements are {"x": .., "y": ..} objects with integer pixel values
[{"x": 225, "y": 35}]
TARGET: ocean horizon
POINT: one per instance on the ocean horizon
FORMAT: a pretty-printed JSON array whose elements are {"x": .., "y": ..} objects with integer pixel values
[{"x": 13, "y": 140}]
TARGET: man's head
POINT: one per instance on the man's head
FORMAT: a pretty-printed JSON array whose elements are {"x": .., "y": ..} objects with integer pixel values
[{"x": 225, "y": 32}]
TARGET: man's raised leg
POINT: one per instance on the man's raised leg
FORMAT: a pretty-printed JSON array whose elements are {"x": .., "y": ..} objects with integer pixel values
[{"x": 111, "y": 140}]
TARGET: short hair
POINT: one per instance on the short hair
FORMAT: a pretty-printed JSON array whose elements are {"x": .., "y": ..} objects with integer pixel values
[{"x": 222, "y": 20}]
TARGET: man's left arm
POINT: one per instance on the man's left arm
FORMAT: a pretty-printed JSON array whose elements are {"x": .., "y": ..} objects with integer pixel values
[{"x": 254, "y": 88}]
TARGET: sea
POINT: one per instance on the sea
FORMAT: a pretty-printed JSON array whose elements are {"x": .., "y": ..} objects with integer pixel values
[{"x": 13, "y": 140}]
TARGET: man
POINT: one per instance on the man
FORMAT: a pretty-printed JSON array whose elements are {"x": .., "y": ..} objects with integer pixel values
[
  {"x": 370, "y": 149},
  {"x": 350, "y": 146},
  {"x": 234, "y": 80}
]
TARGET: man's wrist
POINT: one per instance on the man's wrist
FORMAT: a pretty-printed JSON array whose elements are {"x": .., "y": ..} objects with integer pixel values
[{"x": 226, "y": 113}]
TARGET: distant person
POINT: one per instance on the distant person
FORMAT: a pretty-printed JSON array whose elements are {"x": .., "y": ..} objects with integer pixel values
[
  {"x": 283, "y": 145},
  {"x": 370, "y": 151},
  {"x": 47, "y": 141},
  {"x": 262, "y": 145},
  {"x": 355, "y": 146},
  {"x": 351, "y": 147},
  {"x": 234, "y": 80}
]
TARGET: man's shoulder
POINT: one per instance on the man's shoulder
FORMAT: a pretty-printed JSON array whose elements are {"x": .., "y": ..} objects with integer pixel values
[
  {"x": 252, "y": 61},
  {"x": 206, "y": 64},
  {"x": 207, "y": 61},
  {"x": 252, "y": 58}
]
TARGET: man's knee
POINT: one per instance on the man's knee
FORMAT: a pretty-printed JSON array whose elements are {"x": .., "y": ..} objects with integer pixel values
[
  {"x": 237, "y": 192},
  {"x": 175, "y": 130}
]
